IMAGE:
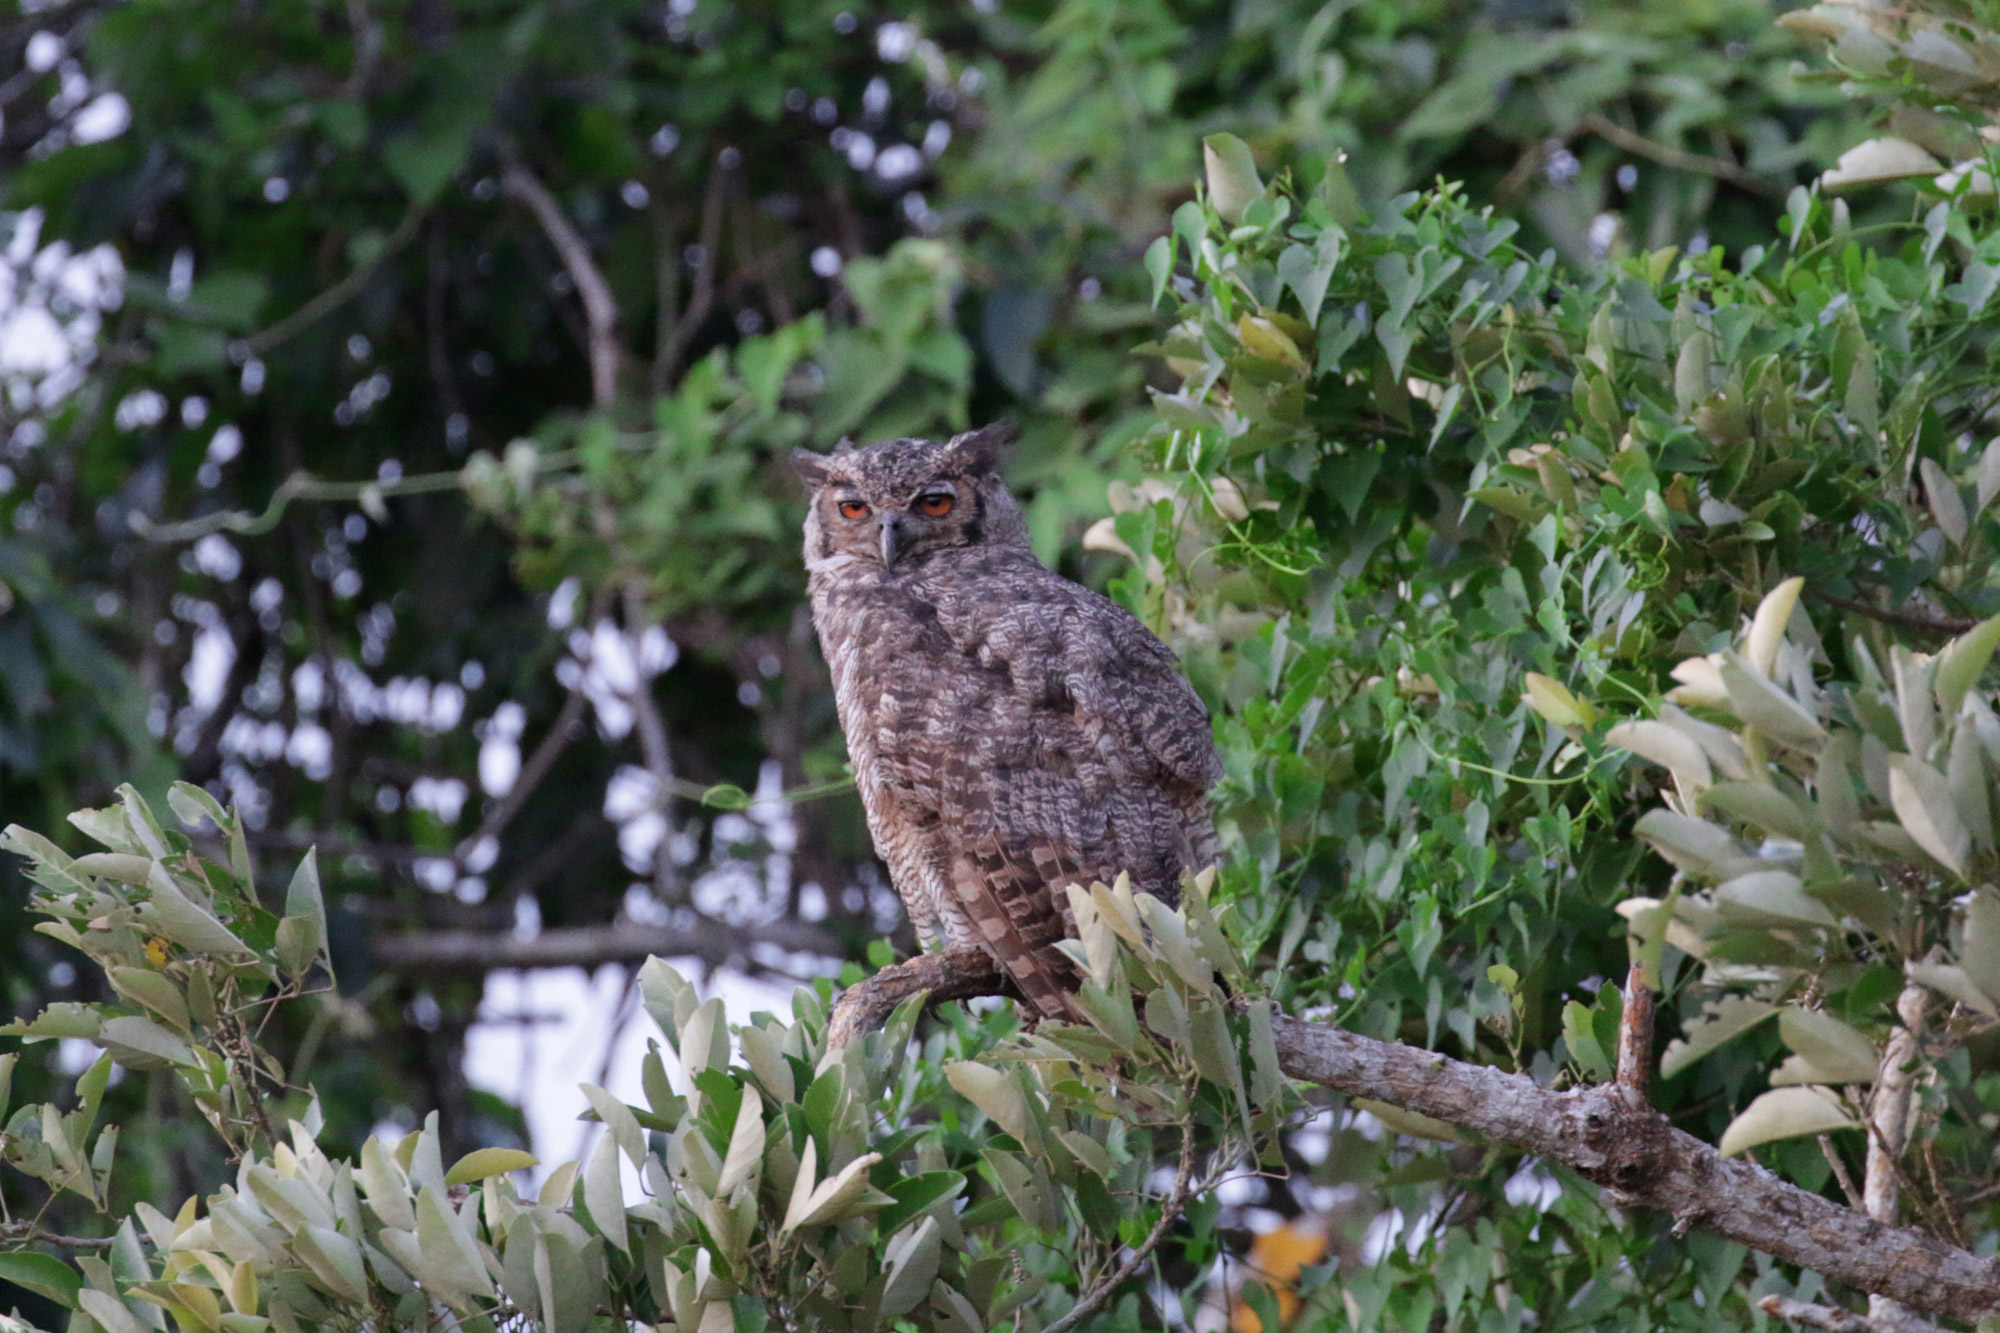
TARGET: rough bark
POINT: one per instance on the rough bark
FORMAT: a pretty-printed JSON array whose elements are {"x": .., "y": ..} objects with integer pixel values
[
  {"x": 1609, "y": 1137},
  {"x": 1605, "y": 1133}
]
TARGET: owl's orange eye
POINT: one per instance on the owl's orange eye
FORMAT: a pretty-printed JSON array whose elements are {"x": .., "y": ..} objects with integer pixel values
[
  {"x": 853, "y": 509},
  {"x": 936, "y": 506}
]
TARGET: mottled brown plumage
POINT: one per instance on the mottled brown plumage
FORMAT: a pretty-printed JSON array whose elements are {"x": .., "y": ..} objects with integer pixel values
[{"x": 1011, "y": 731}]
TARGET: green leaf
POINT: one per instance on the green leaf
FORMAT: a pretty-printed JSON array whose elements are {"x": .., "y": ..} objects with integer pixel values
[
  {"x": 1962, "y": 662},
  {"x": 1758, "y": 805},
  {"x": 1784, "y": 1113},
  {"x": 1770, "y": 898},
  {"x": 174, "y": 915},
  {"x": 1766, "y": 707},
  {"x": 1695, "y": 845},
  {"x": 43, "y": 1274},
  {"x": 447, "y": 1245},
  {"x": 1663, "y": 745},
  {"x": 1414, "y": 1124},
  {"x": 140, "y": 1043},
  {"x": 1579, "y": 1034},
  {"x": 111, "y": 1314},
  {"x": 1721, "y": 1021},
  {"x": 1553, "y": 700},
  {"x": 423, "y": 163},
  {"x": 1308, "y": 271},
  {"x": 914, "y": 1194},
  {"x": 1979, "y": 951},
  {"x": 193, "y": 806},
  {"x": 912, "y": 1258},
  {"x": 746, "y": 1147},
  {"x": 484, "y": 1162},
  {"x": 994, "y": 1092},
  {"x": 1829, "y": 1048},
  {"x": 604, "y": 1195},
  {"x": 1767, "y": 627},
  {"x": 1923, "y": 805},
  {"x": 335, "y": 1260},
  {"x": 1160, "y": 265},
  {"x": 156, "y": 991},
  {"x": 303, "y": 900},
  {"x": 1233, "y": 183}
]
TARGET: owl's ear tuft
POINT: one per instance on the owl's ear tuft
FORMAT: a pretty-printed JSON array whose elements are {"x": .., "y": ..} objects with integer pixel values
[
  {"x": 982, "y": 451},
  {"x": 810, "y": 466},
  {"x": 845, "y": 446}
]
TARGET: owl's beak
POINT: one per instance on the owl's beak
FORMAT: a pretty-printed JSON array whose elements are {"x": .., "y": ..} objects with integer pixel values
[{"x": 892, "y": 538}]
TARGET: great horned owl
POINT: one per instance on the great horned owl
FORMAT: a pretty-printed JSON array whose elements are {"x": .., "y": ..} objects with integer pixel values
[{"x": 1011, "y": 731}]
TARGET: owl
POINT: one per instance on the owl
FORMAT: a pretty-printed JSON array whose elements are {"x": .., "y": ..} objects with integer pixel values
[{"x": 1011, "y": 731}]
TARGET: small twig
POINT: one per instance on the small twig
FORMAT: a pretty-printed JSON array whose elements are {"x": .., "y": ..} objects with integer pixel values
[
  {"x": 338, "y": 294},
  {"x": 367, "y": 47},
  {"x": 1956, "y": 1230},
  {"x": 1840, "y": 1173},
  {"x": 1635, "y": 1033},
  {"x": 1170, "y": 1213},
  {"x": 1835, "y": 1320},
  {"x": 600, "y": 311},
  {"x": 701, "y": 299},
  {"x": 303, "y": 485},
  {"x": 32, "y": 1234},
  {"x": 568, "y": 723},
  {"x": 654, "y": 744},
  {"x": 1911, "y": 620},
  {"x": 1610, "y": 130}
]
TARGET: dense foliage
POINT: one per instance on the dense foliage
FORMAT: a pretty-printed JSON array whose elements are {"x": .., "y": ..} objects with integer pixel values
[{"x": 1454, "y": 499}]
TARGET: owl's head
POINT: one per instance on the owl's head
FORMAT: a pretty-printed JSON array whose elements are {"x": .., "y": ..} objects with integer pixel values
[{"x": 897, "y": 503}]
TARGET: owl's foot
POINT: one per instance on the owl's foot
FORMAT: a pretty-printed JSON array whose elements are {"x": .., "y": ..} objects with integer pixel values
[{"x": 955, "y": 974}]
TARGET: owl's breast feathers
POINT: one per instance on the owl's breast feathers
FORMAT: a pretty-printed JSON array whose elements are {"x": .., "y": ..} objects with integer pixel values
[{"x": 1014, "y": 732}]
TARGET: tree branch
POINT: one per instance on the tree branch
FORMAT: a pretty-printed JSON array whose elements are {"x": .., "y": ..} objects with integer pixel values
[
  {"x": 29, "y": 1233},
  {"x": 600, "y": 311},
  {"x": 567, "y": 724},
  {"x": 1608, "y": 1137},
  {"x": 1612, "y": 132},
  {"x": 1833, "y": 1320},
  {"x": 955, "y": 974},
  {"x": 337, "y": 295},
  {"x": 674, "y": 345},
  {"x": 477, "y": 951},
  {"x": 1635, "y": 1034},
  {"x": 1611, "y": 1138},
  {"x": 1910, "y": 620},
  {"x": 1889, "y": 1126}
]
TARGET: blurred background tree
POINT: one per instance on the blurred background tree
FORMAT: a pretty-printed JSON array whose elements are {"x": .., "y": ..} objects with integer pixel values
[{"x": 515, "y": 309}]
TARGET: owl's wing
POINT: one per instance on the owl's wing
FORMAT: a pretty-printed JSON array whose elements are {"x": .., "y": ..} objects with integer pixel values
[
  {"x": 1009, "y": 887},
  {"x": 1099, "y": 762}
]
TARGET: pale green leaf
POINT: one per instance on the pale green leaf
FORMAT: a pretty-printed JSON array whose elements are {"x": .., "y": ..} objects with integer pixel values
[
  {"x": 481, "y": 1163},
  {"x": 1923, "y": 805},
  {"x": 1233, "y": 183},
  {"x": 1829, "y": 1045},
  {"x": 1784, "y": 1113}
]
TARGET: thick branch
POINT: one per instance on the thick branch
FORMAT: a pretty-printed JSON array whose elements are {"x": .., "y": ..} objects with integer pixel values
[
  {"x": 1605, "y": 1133},
  {"x": 1608, "y": 1137},
  {"x": 600, "y": 311},
  {"x": 588, "y": 946},
  {"x": 955, "y": 974}
]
